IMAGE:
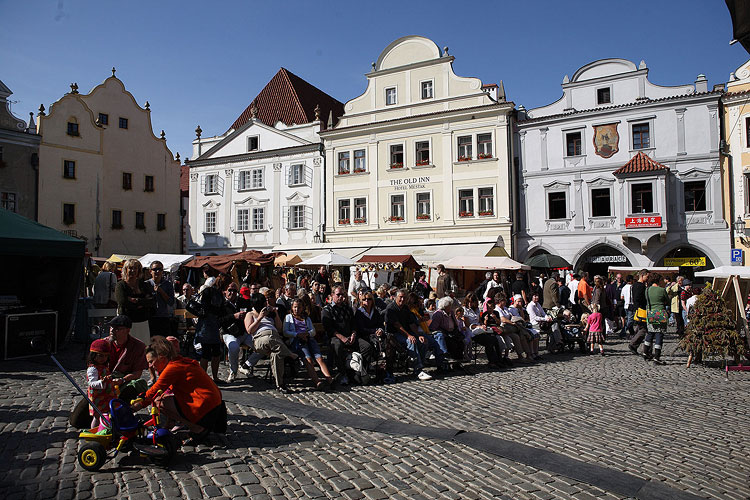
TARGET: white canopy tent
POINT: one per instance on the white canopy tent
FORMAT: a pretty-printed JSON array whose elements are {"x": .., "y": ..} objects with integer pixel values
[
  {"x": 328, "y": 259},
  {"x": 725, "y": 272},
  {"x": 170, "y": 261},
  {"x": 484, "y": 263}
]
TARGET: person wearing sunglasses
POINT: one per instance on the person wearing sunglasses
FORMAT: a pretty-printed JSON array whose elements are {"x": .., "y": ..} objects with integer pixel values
[{"x": 162, "y": 321}]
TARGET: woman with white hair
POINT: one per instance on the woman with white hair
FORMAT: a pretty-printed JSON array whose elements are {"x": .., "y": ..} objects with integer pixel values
[{"x": 445, "y": 323}]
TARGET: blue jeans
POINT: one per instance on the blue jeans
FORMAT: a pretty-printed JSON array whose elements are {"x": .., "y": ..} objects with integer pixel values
[
  {"x": 436, "y": 344},
  {"x": 309, "y": 349},
  {"x": 417, "y": 350},
  {"x": 628, "y": 324}
]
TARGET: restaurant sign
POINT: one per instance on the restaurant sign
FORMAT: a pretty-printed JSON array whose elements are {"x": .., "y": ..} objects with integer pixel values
[
  {"x": 636, "y": 222},
  {"x": 685, "y": 261},
  {"x": 410, "y": 183},
  {"x": 606, "y": 259}
]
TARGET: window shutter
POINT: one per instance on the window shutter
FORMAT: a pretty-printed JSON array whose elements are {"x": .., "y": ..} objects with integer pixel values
[
  {"x": 236, "y": 180},
  {"x": 288, "y": 174},
  {"x": 219, "y": 184},
  {"x": 308, "y": 173},
  {"x": 203, "y": 184},
  {"x": 285, "y": 212},
  {"x": 308, "y": 218}
]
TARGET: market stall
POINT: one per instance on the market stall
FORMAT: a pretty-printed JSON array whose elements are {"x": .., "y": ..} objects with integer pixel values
[
  {"x": 473, "y": 269},
  {"x": 40, "y": 283},
  {"x": 170, "y": 261},
  {"x": 395, "y": 270},
  {"x": 339, "y": 263},
  {"x": 250, "y": 264}
]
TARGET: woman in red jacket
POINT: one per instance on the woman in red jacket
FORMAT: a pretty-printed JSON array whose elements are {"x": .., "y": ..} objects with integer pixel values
[{"x": 197, "y": 401}]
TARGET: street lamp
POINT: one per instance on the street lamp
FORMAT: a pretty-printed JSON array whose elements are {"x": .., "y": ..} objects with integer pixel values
[
  {"x": 97, "y": 243},
  {"x": 739, "y": 227}
]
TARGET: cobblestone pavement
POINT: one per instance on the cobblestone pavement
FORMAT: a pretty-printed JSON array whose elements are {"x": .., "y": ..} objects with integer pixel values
[{"x": 668, "y": 425}]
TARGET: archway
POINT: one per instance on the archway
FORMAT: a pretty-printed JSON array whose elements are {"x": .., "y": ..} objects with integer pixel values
[
  {"x": 686, "y": 257},
  {"x": 596, "y": 260}
]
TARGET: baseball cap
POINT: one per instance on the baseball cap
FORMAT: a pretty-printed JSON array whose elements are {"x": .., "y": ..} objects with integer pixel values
[{"x": 121, "y": 320}]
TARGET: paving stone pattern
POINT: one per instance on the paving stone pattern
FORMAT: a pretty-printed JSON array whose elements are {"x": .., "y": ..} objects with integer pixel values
[{"x": 667, "y": 425}]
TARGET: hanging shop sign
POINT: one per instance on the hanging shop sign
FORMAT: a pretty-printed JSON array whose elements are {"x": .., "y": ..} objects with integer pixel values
[
  {"x": 636, "y": 222},
  {"x": 684, "y": 261}
]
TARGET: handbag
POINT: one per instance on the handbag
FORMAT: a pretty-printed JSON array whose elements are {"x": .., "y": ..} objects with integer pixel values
[
  {"x": 659, "y": 317},
  {"x": 640, "y": 315}
]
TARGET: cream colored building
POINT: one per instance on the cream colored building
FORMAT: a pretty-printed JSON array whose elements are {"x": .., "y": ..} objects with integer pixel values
[
  {"x": 736, "y": 157},
  {"x": 105, "y": 177},
  {"x": 418, "y": 164}
]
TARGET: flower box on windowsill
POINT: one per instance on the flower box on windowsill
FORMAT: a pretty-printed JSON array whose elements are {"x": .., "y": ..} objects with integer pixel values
[
  {"x": 394, "y": 218},
  {"x": 343, "y": 172},
  {"x": 484, "y": 156},
  {"x": 464, "y": 158},
  {"x": 466, "y": 214},
  {"x": 360, "y": 170},
  {"x": 422, "y": 163},
  {"x": 360, "y": 221},
  {"x": 423, "y": 217},
  {"x": 343, "y": 222},
  {"x": 486, "y": 213},
  {"x": 397, "y": 165}
]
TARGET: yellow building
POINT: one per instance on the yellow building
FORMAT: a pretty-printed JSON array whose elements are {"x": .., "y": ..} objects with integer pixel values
[
  {"x": 105, "y": 177},
  {"x": 419, "y": 163},
  {"x": 736, "y": 157}
]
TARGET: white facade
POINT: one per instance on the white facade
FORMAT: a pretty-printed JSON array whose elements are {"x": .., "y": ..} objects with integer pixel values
[
  {"x": 259, "y": 184},
  {"x": 572, "y": 204}
]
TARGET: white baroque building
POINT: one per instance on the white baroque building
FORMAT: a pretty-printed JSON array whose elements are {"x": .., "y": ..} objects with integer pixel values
[
  {"x": 622, "y": 171},
  {"x": 261, "y": 184}
]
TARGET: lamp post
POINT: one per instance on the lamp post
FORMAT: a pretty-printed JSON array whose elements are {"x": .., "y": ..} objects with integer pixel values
[
  {"x": 739, "y": 231},
  {"x": 97, "y": 244}
]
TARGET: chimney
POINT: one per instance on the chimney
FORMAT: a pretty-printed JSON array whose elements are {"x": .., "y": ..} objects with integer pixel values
[{"x": 701, "y": 83}]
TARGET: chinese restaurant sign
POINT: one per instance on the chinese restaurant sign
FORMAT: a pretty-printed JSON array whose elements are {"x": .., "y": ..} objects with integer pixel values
[{"x": 636, "y": 222}]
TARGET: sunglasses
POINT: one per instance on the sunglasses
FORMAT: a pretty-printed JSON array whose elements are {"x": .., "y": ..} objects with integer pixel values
[
  {"x": 157, "y": 269},
  {"x": 340, "y": 294}
]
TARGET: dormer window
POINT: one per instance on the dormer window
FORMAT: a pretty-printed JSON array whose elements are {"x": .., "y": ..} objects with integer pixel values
[
  {"x": 253, "y": 143},
  {"x": 390, "y": 96},
  {"x": 427, "y": 89},
  {"x": 73, "y": 129},
  {"x": 604, "y": 96}
]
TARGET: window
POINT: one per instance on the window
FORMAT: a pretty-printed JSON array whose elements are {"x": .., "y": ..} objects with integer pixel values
[
  {"x": 253, "y": 143},
  {"x": 123, "y": 122},
  {"x": 641, "y": 136},
  {"x": 360, "y": 162},
  {"x": 397, "y": 155},
  {"x": 603, "y": 96},
  {"x": 398, "y": 203},
  {"x": 103, "y": 119},
  {"x": 360, "y": 210},
  {"x": 464, "y": 148},
  {"x": 210, "y": 222},
  {"x": 140, "y": 220},
  {"x": 642, "y": 198},
  {"x": 390, "y": 96},
  {"x": 297, "y": 217},
  {"x": 250, "y": 179},
  {"x": 600, "y": 204},
  {"x": 73, "y": 129},
  {"x": 557, "y": 206},
  {"x": 127, "y": 181},
  {"x": 161, "y": 222},
  {"x": 486, "y": 201},
  {"x": 423, "y": 153},
  {"x": 69, "y": 213},
  {"x": 466, "y": 203},
  {"x": 148, "y": 183},
  {"x": 212, "y": 184},
  {"x": 484, "y": 146},
  {"x": 116, "y": 219},
  {"x": 573, "y": 144},
  {"x": 344, "y": 211},
  {"x": 69, "y": 169},
  {"x": 344, "y": 163},
  {"x": 8, "y": 201},
  {"x": 424, "y": 206},
  {"x": 259, "y": 219},
  {"x": 243, "y": 219},
  {"x": 427, "y": 90},
  {"x": 747, "y": 132},
  {"x": 695, "y": 196},
  {"x": 296, "y": 175}
]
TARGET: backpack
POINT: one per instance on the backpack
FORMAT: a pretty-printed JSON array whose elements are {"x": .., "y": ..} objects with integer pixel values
[{"x": 356, "y": 363}]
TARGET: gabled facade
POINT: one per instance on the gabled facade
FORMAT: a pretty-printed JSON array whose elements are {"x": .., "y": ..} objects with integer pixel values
[
  {"x": 622, "y": 171},
  {"x": 19, "y": 160},
  {"x": 736, "y": 161},
  {"x": 419, "y": 162},
  {"x": 105, "y": 177},
  {"x": 260, "y": 184}
]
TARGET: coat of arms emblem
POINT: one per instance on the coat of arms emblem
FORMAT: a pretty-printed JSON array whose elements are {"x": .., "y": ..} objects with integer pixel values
[{"x": 606, "y": 139}]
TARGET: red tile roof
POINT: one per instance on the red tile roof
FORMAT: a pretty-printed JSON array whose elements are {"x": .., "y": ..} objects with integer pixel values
[
  {"x": 640, "y": 163},
  {"x": 289, "y": 99},
  {"x": 184, "y": 179}
]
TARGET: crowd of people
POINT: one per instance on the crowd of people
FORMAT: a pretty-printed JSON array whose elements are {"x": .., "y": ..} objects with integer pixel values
[{"x": 341, "y": 334}]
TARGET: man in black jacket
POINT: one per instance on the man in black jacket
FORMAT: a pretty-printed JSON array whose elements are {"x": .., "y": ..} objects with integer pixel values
[
  {"x": 639, "y": 302},
  {"x": 338, "y": 322}
]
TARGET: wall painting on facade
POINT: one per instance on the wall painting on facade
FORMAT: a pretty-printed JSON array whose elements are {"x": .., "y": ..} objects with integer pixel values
[{"x": 606, "y": 139}]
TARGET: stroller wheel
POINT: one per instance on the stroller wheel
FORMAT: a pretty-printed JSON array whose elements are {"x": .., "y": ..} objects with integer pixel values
[{"x": 92, "y": 456}]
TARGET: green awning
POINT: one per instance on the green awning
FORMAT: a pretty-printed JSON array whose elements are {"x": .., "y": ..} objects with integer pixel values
[{"x": 22, "y": 236}]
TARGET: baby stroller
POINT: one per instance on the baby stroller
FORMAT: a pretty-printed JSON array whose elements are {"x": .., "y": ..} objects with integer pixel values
[{"x": 572, "y": 333}]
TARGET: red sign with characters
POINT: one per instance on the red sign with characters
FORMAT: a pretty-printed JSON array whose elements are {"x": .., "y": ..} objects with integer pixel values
[{"x": 635, "y": 222}]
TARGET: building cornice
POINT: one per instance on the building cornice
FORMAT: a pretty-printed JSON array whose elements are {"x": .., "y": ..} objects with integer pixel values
[
  {"x": 611, "y": 167},
  {"x": 273, "y": 153},
  {"x": 407, "y": 67}
]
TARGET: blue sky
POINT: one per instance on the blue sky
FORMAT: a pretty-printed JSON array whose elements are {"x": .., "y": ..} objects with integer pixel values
[{"x": 203, "y": 62}]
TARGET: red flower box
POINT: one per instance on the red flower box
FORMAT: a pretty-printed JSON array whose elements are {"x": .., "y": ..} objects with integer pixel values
[
  {"x": 484, "y": 156},
  {"x": 343, "y": 172},
  {"x": 360, "y": 221},
  {"x": 464, "y": 158},
  {"x": 422, "y": 163},
  {"x": 423, "y": 217},
  {"x": 394, "y": 218},
  {"x": 397, "y": 165},
  {"x": 359, "y": 170},
  {"x": 487, "y": 212},
  {"x": 343, "y": 221},
  {"x": 466, "y": 214}
]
